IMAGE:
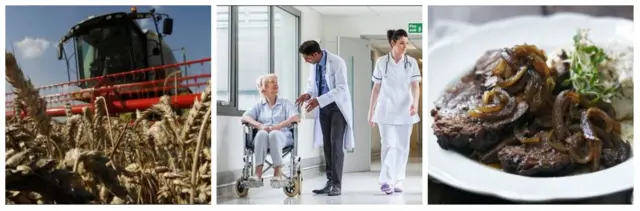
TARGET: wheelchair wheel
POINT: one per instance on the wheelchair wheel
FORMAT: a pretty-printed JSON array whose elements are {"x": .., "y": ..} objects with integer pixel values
[
  {"x": 295, "y": 188},
  {"x": 240, "y": 189}
]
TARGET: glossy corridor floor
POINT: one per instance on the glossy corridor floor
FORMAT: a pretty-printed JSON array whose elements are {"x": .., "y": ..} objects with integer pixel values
[{"x": 357, "y": 188}]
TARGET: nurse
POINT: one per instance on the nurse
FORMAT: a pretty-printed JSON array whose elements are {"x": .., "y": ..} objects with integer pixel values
[{"x": 394, "y": 107}]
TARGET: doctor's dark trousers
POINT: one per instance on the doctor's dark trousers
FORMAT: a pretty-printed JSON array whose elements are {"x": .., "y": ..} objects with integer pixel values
[{"x": 333, "y": 126}]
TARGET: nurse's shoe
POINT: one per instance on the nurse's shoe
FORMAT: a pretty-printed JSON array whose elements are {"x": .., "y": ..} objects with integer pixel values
[
  {"x": 255, "y": 182},
  {"x": 278, "y": 182},
  {"x": 386, "y": 189}
]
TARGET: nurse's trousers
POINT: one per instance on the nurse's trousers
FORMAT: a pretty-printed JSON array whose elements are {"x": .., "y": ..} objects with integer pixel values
[
  {"x": 274, "y": 140},
  {"x": 395, "y": 153}
]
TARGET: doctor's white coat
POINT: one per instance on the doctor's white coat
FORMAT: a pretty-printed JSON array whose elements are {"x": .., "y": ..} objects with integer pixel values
[{"x": 336, "y": 77}]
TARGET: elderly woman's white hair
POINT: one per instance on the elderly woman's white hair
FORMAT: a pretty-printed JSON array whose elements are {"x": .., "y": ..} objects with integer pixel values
[{"x": 260, "y": 82}]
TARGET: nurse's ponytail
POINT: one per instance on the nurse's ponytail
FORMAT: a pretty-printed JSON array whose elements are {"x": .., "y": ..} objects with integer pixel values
[{"x": 390, "y": 35}]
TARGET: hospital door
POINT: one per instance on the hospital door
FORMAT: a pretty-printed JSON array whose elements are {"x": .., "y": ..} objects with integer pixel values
[{"x": 356, "y": 53}]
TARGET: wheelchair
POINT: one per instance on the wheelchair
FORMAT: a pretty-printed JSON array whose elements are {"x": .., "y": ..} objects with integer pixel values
[{"x": 293, "y": 177}]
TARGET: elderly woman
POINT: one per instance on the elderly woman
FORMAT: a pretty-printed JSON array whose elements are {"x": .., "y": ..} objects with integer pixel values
[{"x": 272, "y": 116}]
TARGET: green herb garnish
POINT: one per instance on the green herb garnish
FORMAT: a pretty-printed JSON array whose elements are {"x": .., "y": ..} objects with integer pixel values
[{"x": 585, "y": 74}]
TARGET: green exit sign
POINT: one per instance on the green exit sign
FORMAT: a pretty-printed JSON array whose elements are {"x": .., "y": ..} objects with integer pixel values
[{"x": 415, "y": 27}]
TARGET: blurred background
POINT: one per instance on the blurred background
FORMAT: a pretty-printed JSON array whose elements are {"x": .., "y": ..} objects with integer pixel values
[
  {"x": 455, "y": 20},
  {"x": 449, "y": 20}
]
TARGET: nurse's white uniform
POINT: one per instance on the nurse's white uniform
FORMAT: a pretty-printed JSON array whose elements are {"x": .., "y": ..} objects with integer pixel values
[{"x": 392, "y": 114}]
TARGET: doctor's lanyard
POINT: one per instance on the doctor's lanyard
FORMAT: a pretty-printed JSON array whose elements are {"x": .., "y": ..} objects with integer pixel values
[{"x": 406, "y": 62}]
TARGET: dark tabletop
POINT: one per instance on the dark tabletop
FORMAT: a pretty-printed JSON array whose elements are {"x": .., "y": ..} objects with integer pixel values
[
  {"x": 598, "y": 11},
  {"x": 440, "y": 193}
]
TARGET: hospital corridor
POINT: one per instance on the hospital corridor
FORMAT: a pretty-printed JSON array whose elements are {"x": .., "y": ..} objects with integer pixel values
[{"x": 287, "y": 136}]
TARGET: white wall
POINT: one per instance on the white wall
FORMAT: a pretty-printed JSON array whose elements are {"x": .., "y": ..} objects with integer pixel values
[
  {"x": 363, "y": 25},
  {"x": 229, "y": 130}
]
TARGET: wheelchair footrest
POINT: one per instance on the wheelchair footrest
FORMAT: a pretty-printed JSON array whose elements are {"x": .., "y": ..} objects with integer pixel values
[
  {"x": 279, "y": 183},
  {"x": 253, "y": 183}
]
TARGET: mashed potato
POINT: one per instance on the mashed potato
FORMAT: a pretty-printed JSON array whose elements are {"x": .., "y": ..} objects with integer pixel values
[{"x": 619, "y": 70}]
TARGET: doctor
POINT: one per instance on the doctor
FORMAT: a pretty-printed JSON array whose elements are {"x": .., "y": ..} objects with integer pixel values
[
  {"x": 394, "y": 106},
  {"x": 327, "y": 88}
]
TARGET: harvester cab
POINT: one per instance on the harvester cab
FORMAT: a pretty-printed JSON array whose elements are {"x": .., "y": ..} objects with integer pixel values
[{"x": 115, "y": 43}]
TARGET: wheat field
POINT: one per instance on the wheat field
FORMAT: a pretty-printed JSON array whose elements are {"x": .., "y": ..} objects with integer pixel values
[{"x": 92, "y": 158}]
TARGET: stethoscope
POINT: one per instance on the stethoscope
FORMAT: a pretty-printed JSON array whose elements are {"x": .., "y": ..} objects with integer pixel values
[{"x": 406, "y": 63}]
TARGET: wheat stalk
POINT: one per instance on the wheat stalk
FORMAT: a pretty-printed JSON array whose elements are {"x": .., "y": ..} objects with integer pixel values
[
  {"x": 26, "y": 93},
  {"x": 146, "y": 164},
  {"x": 194, "y": 117},
  {"x": 194, "y": 166}
]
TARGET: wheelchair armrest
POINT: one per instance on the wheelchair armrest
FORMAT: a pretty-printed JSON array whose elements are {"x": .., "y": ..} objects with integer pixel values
[
  {"x": 247, "y": 125},
  {"x": 294, "y": 127}
]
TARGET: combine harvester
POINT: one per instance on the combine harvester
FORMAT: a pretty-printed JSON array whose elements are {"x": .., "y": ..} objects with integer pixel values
[{"x": 117, "y": 60}]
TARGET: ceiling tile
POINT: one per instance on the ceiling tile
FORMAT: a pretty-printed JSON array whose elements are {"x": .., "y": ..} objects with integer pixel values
[
  {"x": 396, "y": 9},
  {"x": 366, "y": 10}
]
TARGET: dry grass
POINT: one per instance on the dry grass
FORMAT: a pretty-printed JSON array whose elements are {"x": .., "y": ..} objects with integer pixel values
[{"x": 96, "y": 159}]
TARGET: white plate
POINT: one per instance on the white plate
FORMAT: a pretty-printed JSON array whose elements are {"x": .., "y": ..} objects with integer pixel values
[{"x": 450, "y": 59}]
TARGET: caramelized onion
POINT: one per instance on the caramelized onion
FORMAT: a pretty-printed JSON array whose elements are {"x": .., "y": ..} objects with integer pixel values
[
  {"x": 606, "y": 107},
  {"x": 551, "y": 84},
  {"x": 541, "y": 66},
  {"x": 534, "y": 139},
  {"x": 538, "y": 100},
  {"x": 518, "y": 112},
  {"x": 510, "y": 60},
  {"x": 511, "y": 81},
  {"x": 533, "y": 91},
  {"x": 557, "y": 146},
  {"x": 563, "y": 100},
  {"x": 529, "y": 90},
  {"x": 519, "y": 86},
  {"x": 610, "y": 124},
  {"x": 594, "y": 141},
  {"x": 488, "y": 96},
  {"x": 490, "y": 108},
  {"x": 608, "y": 139},
  {"x": 596, "y": 153},
  {"x": 526, "y": 50},
  {"x": 500, "y": 68},
  {"x": 535, "y": 56},
  {"x": 501, "y": 114}
]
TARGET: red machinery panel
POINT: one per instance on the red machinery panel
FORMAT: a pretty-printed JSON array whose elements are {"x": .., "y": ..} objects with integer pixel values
[{"x": 123, "y": 97}]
